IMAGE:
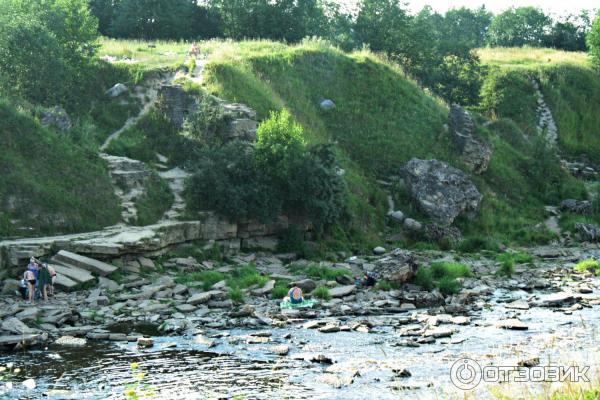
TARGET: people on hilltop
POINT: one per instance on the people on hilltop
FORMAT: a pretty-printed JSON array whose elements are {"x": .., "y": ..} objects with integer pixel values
[{"x": 194, "y": 50}]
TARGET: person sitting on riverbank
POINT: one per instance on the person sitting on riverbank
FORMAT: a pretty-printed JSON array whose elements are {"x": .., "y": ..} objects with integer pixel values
[
  {"x": 22, "y": 291},
  {"x": 294, "y": 295},
  {"x": 367, "y": 280},
  {"x": 44, "y": 280}
]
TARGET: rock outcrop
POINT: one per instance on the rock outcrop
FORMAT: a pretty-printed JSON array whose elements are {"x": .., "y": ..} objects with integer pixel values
[
  {"x": 176, "y": 103},
  {"x": 239, "y": 120},
  {"x": 582, "y": 207},
  {"x": 58, "y": 118},
  {"x": 441, "y": 191},
  {"x": 130, "y": 179},
  {"x": 399, "y": 267},
  {"x": 475, "y": 153},
  {"x": 588, "y": 232},
  {"x": 546, "y": 125},
  {"x": 241, "y": 123}
]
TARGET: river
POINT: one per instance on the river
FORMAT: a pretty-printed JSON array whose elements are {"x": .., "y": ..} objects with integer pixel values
[{"x": 223, "y": 365}]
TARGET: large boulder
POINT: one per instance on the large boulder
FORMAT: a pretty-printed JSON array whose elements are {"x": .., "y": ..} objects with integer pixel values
[
  {"x": 117, "y": 90},
  {"x": 397, "y": 267},
  {"x": 441, "y": 191},
  {"x": 475, "y": 153}
]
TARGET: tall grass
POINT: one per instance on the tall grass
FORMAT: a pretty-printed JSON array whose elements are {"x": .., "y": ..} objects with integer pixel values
[{"x": 531, "y": 57}]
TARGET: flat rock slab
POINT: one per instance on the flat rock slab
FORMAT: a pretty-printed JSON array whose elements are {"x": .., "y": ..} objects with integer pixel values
[
  {"x": 199, "y": 298},
  {"x": 438, "y": 332},
  {"x": 76, "y": 274},
  {"x": 64, "y": 282},
  {"x": 342, "y": 291},
  {"x": 10, "y": 340},
  {"x": 518, "y": 305},
  {"x": 557, "y": 299},
  {"x": 87, "y": 263},
  {"x": 14, "y": 325},
  {"x": 512, "y": 324}
]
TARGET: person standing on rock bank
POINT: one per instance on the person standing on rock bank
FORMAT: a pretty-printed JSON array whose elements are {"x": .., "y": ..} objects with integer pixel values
[
  {"x": 30, "y": 277},
  {"x": 44, "y": 280}
]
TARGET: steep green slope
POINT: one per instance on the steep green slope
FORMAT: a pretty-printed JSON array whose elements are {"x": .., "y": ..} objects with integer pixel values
[
  {"x": 380, "y": 121},
  {"x": 570, "y": 87},
  {"x": 47, "y": 183}
]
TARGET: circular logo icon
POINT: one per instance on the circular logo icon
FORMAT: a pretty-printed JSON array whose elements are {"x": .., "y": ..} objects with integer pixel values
[{"x": 465, "y": 374}]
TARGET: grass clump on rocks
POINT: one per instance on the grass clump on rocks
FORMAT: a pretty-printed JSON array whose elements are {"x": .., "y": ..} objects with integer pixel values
[
  {"x": 322, "y": 293},
  {"x": 443, "y": 276},
  {"x": 316, "y": 271},
  {"x": 589, "y": 265}
]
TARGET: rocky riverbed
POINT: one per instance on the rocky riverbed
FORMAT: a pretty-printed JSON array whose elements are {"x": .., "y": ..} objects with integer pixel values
[{"x": 193, "y": 343}]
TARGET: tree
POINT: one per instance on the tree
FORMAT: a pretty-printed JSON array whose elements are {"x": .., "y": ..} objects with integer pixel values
[
  {"x": 383, "y": 25},
  {"x": 44, "y": 47},
  {"x": 593, "y": 41},
  {"x": 288, "y": 20},
  {"x": 523, "y": 26},
  {"x": 105, "y": 11},
  {"x": 569, "y": 33},
  {"x": 154, "y": 19},
  {"x": 32, "y": 62},
  {"x": 466, "y": 27}
]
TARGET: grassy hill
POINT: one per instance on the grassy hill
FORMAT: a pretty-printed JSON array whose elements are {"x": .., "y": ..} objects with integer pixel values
[
  {"x": 380, "y": 121},
  {"x": 48, "y": 183},
  {"x": 569, "y": 85}
]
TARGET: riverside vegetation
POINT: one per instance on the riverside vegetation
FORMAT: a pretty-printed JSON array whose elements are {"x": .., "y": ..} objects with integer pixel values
[{"x": 308, "y": 141}]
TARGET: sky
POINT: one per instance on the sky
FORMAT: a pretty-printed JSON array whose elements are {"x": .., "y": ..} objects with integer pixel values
[{"x": 558, "y": 7}]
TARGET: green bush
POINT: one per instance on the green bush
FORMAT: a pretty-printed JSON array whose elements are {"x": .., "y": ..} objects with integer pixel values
[
  {"x": 424, "y": 278},
  {"x": 236, "y": 295},
  {"x": 247, "y": 276},
  {"x": 45, "y": 49},
  {"x": 279, "y": 291},
  {"x": 450, "y": 269},
  {"x": 322, "y": 293},
  {"x": 507, "y": 267},
  {"x": 474, "y": 244},
  {"x": 384, "y": 285},
  {"x": 509, "y": 260},
  {"x": 206, "y": 120},
  {"x": 588, "y": 265},
  {"x": 280, "y": 176},
  {"x": 442, "y": 275},
  {"x": 448, "y": 285}
]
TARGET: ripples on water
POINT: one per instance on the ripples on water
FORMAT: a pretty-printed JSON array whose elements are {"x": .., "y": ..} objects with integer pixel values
[{"x": 192, "y": 371}]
